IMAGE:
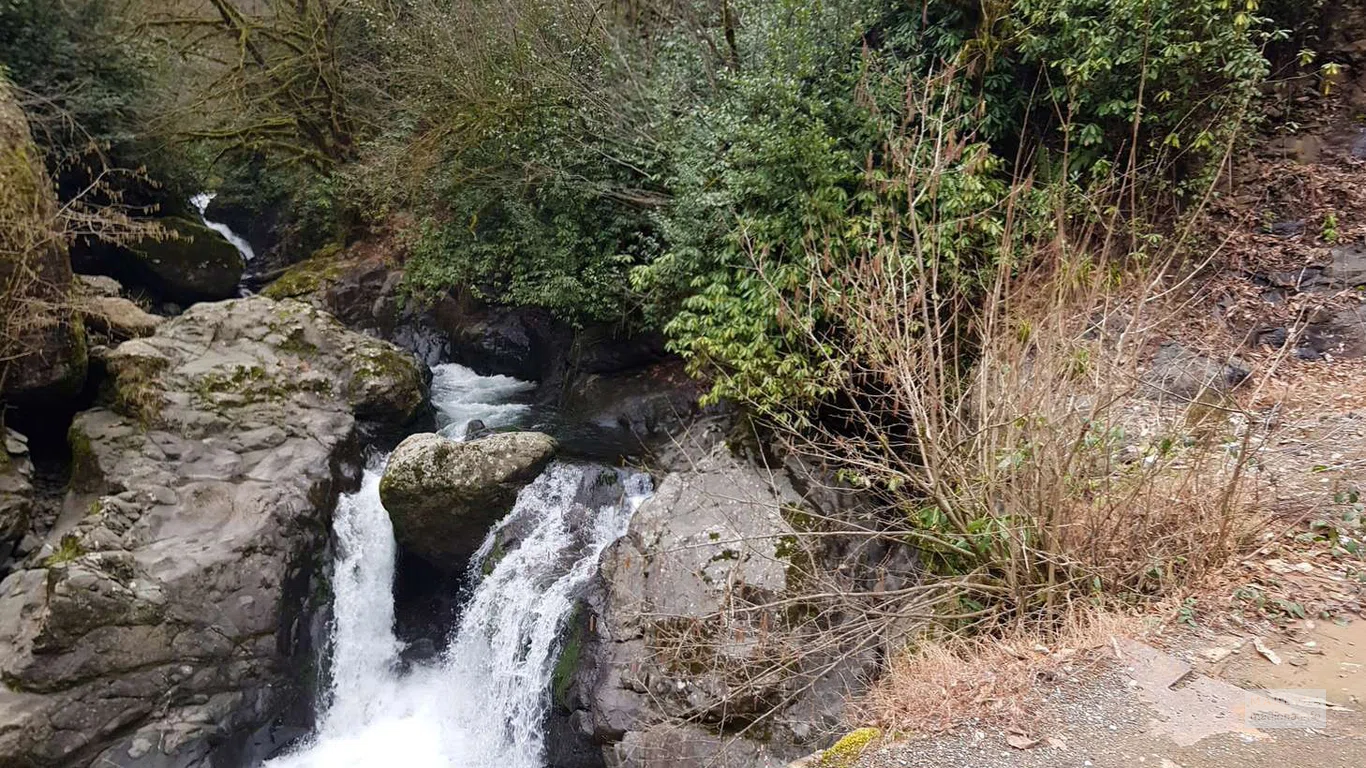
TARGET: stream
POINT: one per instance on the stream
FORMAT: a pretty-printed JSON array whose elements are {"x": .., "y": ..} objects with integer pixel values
[{"x": 484, "y": 699}]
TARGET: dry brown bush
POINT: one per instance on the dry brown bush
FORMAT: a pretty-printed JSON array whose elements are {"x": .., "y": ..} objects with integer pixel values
[{"x": 1014, "y": 430}]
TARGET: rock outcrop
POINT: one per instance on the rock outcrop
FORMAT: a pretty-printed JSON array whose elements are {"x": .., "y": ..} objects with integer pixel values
[
  {"x": 109, "y": 315},
  {"x": 99, "y": 285},
  {"x": 16, "y": 491},
  {"x": 167, "y": 616},
  {"x": 698, "y": 623},
  {"x": 42, "y": 341},
  {"x": 648, "y": 403},
  {"x": 361, "y": 286},
  {"x": 443, "y": 495},
  {"x": 192, "y": 263}
]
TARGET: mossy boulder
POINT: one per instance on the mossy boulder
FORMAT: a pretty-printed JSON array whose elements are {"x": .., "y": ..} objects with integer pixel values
[
  {"x": 189, "y": 263},
  {"x": 443, "y": 495},
  {"x": 386, "y": 384},
  {"x": 42, "y": 344},
  {"x": 310, "y": 275},
  {"x": 259, "y": 352}
]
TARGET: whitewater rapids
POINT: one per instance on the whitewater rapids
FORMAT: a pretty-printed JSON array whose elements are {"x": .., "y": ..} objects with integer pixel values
[{"x": 483, "y": 702}]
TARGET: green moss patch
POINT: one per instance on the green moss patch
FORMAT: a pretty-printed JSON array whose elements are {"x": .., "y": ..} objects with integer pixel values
[
  {"x": 69, "y": 549},
  {"x": 847, "y": 750},
  {"x": 309, "y": 275},
  {"x": 562, "y": 679}
]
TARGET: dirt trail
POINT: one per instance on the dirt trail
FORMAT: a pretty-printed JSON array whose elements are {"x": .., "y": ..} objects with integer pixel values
[{"x": 1170, "y": 709}]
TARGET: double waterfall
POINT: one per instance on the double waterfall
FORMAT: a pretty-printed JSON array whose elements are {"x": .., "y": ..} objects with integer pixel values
[{"x": 483, "y": 702}]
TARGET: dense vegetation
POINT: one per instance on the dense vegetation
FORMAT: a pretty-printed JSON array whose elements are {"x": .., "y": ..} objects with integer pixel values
[
  {"x": 814, "y": 200},
  {"x": 688, "y": 164}
]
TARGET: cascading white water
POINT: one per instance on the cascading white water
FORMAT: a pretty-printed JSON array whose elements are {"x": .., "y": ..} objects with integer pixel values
[
  {"x": 201, "y": 203},
  {"x": 483, "y": 703},
  {"x": 460, "y": 396}
]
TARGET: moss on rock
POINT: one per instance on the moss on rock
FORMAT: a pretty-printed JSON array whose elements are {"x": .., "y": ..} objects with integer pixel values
[
  {"x": 43, "y": 349},
  {"x": 85, "y": 467},
  {"x": 567, "y": 664},
  {"x": 309, "y": 275},
  {"x": 135, "y": 373},
  {"x": 387, "y": 383},
  {"x": 67, "y": 550},
  {"x": 847, "y": 750}
]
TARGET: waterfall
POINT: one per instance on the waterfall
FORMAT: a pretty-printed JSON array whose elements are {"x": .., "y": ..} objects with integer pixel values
[
  {"x": 484, "y": 701},
  {"x": 201, "y": 203}
]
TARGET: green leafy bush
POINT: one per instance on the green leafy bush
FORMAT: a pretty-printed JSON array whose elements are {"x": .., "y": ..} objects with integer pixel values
[
  {"x": 780, "y": 177},
  {"x": 699, "y": 165},
  {"x": 1178, "y": 73},
  {"x": 558, "y": 232},
  {"x": 782, "y": 169}
]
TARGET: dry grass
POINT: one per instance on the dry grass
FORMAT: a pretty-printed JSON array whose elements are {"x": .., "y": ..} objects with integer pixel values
[{"x": 994, "y": 680}]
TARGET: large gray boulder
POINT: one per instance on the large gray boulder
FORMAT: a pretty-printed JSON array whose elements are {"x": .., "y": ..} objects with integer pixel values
[
  {"x": 443, "y": 495},
  {"x": 700, "y": 621},
  {"x": 168, "y": 612}
]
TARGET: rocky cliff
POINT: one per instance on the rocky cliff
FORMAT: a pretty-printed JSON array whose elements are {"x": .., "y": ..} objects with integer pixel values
[{"x": 166, "y": 618}]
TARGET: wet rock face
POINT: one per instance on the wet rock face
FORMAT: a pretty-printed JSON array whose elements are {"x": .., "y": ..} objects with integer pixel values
[
  {"x": 648, "y": 403},
  {"x": 523, "y": 343},
  {"x": 443, "y": 495},
  {"x": 16, "y": 492},
  {"x": 167, "y": 613}
]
